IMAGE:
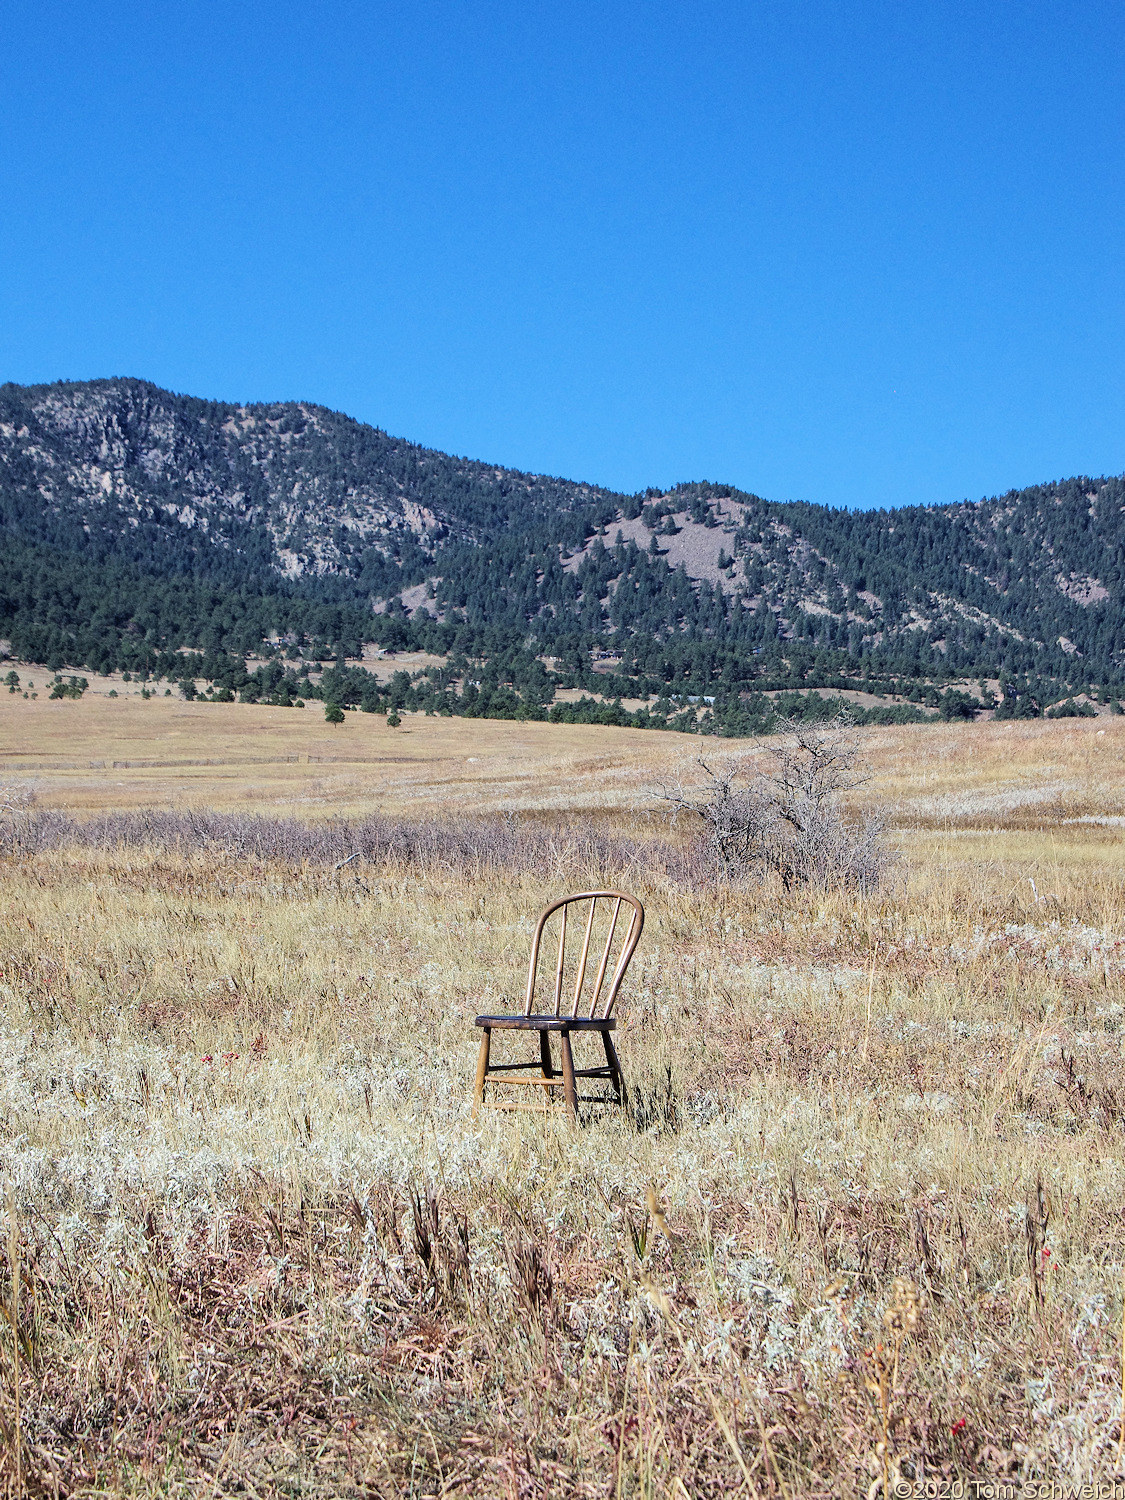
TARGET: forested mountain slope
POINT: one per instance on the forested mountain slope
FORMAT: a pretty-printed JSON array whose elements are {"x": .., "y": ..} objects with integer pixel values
[{"x": 138, "y": 525}]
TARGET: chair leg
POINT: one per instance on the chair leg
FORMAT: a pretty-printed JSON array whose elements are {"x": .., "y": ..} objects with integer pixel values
[
  {"x": 482, "y": 1069},
  {"x": 569, "y": 1090},
  {"x": 614, "y": 1064},
  {"x": 545, "y": 1054}
]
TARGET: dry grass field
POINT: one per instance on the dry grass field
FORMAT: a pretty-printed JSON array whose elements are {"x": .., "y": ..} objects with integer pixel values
[
  {"x": 863, "y": 1227},
  {"x": 99, "y": 753}
]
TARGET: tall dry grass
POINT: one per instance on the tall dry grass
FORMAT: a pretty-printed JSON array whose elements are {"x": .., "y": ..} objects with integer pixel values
[{"x": 864, "y": 1224}]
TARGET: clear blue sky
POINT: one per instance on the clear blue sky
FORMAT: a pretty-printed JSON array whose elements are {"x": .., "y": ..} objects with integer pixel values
[{"x": 852, "y": 252}]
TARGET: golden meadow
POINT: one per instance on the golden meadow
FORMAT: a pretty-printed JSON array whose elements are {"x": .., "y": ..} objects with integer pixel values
[{"x": 864, "y": 1224}]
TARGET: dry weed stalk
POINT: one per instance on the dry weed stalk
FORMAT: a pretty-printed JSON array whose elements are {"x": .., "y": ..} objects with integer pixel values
[{"x": 11, "y": 1311}]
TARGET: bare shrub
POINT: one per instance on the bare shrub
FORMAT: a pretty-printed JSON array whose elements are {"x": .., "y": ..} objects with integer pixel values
[
  {"x": 790, "y": 822},
  {"x": 15, "y": 797},
  {"x": 19, "y": 818}
]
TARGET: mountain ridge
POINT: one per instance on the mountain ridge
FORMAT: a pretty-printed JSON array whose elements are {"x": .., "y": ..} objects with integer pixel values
[{"x": 320, "y": 531}]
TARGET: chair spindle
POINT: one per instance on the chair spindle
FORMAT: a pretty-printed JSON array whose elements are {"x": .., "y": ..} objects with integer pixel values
[
  {"x": 582, "y": 961},
  {"x": 562, "y": 960},
  {"x": 605, "y": 958}
]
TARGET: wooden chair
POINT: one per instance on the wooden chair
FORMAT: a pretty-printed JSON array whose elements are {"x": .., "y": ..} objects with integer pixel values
[{"x": 574, "y": 974}]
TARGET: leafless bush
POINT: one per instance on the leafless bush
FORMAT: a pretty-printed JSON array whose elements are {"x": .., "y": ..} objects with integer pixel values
[
  {"x": 19, "y": 818},
  {"x": 790, "y": 821},
  {"x": 15, "y": 797}
]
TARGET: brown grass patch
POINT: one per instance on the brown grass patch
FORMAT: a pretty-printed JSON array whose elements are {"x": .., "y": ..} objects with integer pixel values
[{"x": 864, "y": 1226}]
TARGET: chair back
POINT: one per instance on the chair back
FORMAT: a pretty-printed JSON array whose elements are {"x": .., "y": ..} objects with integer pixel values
[{"x": 598, "y": 932}]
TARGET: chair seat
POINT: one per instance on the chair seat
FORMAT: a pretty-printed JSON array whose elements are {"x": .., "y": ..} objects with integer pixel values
[{"x": 546, "y": 1023}]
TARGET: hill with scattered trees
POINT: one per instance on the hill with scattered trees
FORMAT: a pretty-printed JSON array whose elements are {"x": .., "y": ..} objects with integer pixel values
[{"x": 260, "y": 548}]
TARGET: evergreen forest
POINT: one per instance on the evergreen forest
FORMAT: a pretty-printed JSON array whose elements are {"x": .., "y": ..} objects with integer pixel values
[{"x": 254, "y": 552}]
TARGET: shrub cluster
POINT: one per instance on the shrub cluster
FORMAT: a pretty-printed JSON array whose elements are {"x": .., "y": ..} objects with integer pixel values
[{"x": 790, "y": 822}]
